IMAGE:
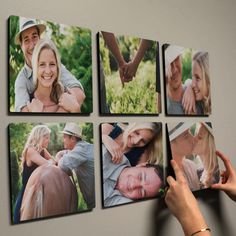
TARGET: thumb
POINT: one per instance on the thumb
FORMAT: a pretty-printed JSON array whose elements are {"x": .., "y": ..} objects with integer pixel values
[{"x": 219, "y": 186}]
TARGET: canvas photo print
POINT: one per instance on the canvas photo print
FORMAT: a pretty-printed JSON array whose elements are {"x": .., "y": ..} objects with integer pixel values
[
  {"x": 132, "y": 162},
  {"x": 192, "y": 146},
  {"x": 129, "y": 77},
  {"x": 186, "y": 81},
  {"x": 50, "y": 67},
  {"x": 51, "y": 169}
]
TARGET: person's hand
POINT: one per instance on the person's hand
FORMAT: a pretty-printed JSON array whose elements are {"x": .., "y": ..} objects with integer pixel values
[
  {"x": 68, "y": 101},
  {"x": 183, "y": 204},
  {"x": 35, "y": 105},
  {"x": 189, "y": 101},
  {"x": 130, "y": 71},
  {"x": 114, "y": 149},
  {"x": 228, "y": 178},
  {"x": 123, "y": 76}
]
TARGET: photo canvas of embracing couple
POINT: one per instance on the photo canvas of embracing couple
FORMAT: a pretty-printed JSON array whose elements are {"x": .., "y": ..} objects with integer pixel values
[
  {"x": 51, "y": 169},
  {"x": 192, "y": 146},
  {"x": 132, "y": 162},
  {"x": 129, "y": 75},
  {"x": 187, "y": 81},
  {"x": 50, "y": 67}
]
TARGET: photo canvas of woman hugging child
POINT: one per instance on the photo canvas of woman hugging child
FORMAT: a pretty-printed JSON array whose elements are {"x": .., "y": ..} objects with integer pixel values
[
  {"x": 50, "y": 67},
  {"x": 187, "y": 81},
  {"x": 132, "y": 162},
  {"x": 192, "y": 146}
]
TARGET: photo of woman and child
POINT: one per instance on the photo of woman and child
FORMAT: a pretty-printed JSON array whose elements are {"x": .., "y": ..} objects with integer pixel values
[
  {"x": 52, "y": 169},
  {"x": 193, "y": 148},
  {"x": 50, "y": 67},
  {"x": 187, "y": 81},
  {"x": 132, "y": 162}
]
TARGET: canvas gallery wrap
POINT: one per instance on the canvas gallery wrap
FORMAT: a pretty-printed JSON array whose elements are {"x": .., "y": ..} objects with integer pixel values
[
  {"x": 129, "y": 78},
  {"x": 192, "y": 146},
  {"x": 186, "y": 81},
  {"x": 50, "y": 67},
  {"x": 51, "y": 169},
  {"x": 132, "y": 162}
]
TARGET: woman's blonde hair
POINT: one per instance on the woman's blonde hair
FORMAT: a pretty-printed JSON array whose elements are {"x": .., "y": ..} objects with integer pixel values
[
  {"x": 202, "y": 58},
  {"x": 35, "y": 139},
  {"x": 153, "y": 149},
  {"x": 57, "y": 88},
  {"x": 209, "y": 159}
]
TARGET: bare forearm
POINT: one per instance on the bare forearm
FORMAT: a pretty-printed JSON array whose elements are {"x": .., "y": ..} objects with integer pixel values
[
  {"x": 193, "y": 223},
  {"x": 112, "y": 44},
  {"x": 141, "y": 51}
]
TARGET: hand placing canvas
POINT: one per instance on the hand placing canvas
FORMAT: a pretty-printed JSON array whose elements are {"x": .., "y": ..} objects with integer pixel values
[
  {"x": 228, "y": 178},
  {"x": 183, "y": 204}
]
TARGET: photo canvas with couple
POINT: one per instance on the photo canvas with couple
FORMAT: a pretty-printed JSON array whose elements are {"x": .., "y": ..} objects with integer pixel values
[
  {"x": 187, "y": 81},
  {"x": 192, "y": 146},
  {"x": 50, "y": 67},
  {"x": 129, "y": 75},
  {"x": 51, "y": 169}
]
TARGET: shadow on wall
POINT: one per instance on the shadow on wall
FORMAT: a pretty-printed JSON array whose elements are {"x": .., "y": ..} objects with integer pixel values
[{"x": 161, "y": 214}]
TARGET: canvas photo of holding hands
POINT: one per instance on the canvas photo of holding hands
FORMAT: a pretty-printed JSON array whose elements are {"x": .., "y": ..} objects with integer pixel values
[
  {"x": 51, "y": 169},
  {"x": 50, "y": 67},
  {"x": 187, "y": 81},
  {"x": 129, "y": 78},
  {"x": 192, "y": 146},
  {"x": 132, "y": 162}
]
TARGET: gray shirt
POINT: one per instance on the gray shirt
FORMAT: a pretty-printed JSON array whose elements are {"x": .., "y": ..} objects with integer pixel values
[
  {"x": 81, "y": 160},
  {"x": 111, "y": 173},
  {"x": 24, "y": 85},
  {"x": 174, "y": 108}
]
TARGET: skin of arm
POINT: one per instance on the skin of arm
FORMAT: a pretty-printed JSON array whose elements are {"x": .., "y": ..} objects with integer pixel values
[
  {"x": 131, "y": 68},
  {"x": 188, "y": 100},
  {"x": 228, "y": 181},
  {"x": 114, "y": 148},
  {"x": 112, "y": 44},
  {"x": 183, "y": 204},
  {"x": 34, "y": 157}
]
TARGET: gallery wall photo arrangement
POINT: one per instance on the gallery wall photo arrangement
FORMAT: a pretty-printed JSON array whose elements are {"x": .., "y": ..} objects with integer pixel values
[
  {"x": 132, "y": 162},
  {"x": 186, "y": 81},
  {"x": 49, "y": 67},
  {"x": 192, "y": 146},
  {"x": 129, "y": 75},
  {"x": 51, "y": 168}
]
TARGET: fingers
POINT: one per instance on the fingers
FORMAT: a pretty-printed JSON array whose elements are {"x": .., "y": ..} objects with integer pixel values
[
  {"x": 226, "y": 161},
  {"x": 170, "y": 180},
  {"x": 178, "y": 172}
]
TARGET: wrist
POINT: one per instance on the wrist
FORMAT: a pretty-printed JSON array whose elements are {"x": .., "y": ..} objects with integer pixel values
[{"x": 192, "y": 223}]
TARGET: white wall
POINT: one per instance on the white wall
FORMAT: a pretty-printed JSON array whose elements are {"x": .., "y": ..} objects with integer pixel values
[{"x": 207, "y": 25}]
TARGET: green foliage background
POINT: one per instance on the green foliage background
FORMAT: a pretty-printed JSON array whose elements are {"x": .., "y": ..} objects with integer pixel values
[
  {"x": 187, "y": 64},
  {"x": 18, "y": 134},
  {"x": 138, "y": 96},
  {"x": 74, "y": 45}
]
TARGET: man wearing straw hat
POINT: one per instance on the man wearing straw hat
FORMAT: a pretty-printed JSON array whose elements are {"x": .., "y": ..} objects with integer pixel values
[
  {"x": 174, "y": 87},
  {"x": 78, "y": 157},
  {"x": 182, "y": 144},
  {"x": 29, "y": 34}
]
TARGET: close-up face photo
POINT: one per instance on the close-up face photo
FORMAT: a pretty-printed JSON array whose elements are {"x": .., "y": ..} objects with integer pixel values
[
  {"x": 132, "y": 162},
  {"x": 139, "y": 137},
  {"x": 187, "y": 81},
  {"x": 140, "y": 183},
  {"x": 193, "y": 148}
]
